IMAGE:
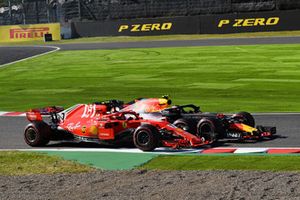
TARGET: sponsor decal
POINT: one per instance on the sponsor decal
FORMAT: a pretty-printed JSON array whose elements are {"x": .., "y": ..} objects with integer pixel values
[
  {"x": 234, "y": 135},
  {"x": 89, "y": 111},
  {"x": 104, "y": 134},
  {"x": 93, "y": 130},
  {"x": 29, "y": 32},
  {"x": 249, "y": 22},
  {"x": 20, "y": 33},
  {"x": 72, "y": 126},
  {"x": 145, "y": 27},
  {"x": 124, "y": 124},
  {"x": 83, "y": 129}
]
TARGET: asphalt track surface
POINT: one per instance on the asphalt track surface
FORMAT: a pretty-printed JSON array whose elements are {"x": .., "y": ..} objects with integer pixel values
[
  {"x": 288, "y": 126},
  {"x": 182, "y": 43},
  {"x": 10, "y": 54}
]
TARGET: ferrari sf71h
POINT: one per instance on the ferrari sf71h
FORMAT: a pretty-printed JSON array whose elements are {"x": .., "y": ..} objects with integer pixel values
[{"x": 103, "y": 123}]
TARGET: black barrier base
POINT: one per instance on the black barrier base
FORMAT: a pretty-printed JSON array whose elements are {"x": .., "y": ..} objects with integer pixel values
[
  {"x": 48, "y": 37},
  {"x": 206, "y": 24}
]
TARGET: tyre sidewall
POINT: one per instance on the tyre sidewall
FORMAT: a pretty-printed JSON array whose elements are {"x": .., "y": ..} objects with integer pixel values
[
  {"x": 42, "y": 131},
  {"x": 215, "y": 127},
  {"x": 153, "y": 138}
]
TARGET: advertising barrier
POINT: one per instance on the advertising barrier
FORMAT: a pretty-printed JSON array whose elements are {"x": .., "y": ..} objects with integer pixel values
[
  {"x": 137, "y": 27},
  {"x": 21, "y": 33},
  {"x": 203, "y": 24},
  {"x": 250, "y": 22}
]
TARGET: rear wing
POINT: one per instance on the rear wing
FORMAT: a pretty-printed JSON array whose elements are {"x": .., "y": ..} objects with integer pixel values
[
  {"x": 47, "y": 110},
  {"x": 34, "y": 116},
  {"x": 36, "y": 113}
]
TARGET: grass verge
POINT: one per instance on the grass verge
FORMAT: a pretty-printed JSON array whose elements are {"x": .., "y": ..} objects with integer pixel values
[
  {"x": 225, "y": 162},
  {"x": 258, "y": 78},
  {"x": 24, "y": 163},
  {"x": 162, "y": 38}
]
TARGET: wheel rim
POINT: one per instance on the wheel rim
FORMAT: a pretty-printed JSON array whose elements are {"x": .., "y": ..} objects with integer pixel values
[
  {"x": 183, "y": 127},
  {"x": 31, "y": 135},
  {"x": 206, "y": 131},
  {"x": 143, "y": 138}
]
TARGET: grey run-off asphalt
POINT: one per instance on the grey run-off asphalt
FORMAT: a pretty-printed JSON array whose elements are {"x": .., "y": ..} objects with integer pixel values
[{"x": 13, "y": 53}]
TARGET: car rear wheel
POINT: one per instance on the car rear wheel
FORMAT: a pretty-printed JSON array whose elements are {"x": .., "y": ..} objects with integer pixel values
[
  {"x": 146, "y": 138},
  {"x": 37, "y": 134}
]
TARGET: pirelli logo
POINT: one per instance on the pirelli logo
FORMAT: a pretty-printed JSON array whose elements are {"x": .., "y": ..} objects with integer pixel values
[
  {"x": 29, "y": 32},
  {"x": 249, "y": 22},
  {"x": 145, "y": 27},
  {"x": 20, "y": 33}
]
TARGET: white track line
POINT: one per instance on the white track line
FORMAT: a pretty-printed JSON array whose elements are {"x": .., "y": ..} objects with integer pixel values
[
  {"x": 109, "y": 150},
  {"x": 30, "y": 57},
  {"x": 251, "y": 150},
  {"x": 6, "y": 114},
  {"x": 277, "y": 113},
  {"x": 162, "y": 150}
]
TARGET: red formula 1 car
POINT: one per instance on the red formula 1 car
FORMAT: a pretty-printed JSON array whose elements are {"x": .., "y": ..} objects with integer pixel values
[
  {"x": 102, "y": 123},
  {"x": 211, "y": 126}
]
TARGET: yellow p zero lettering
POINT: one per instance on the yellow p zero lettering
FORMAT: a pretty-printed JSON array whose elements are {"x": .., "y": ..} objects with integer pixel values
[
  {"x": 155, "y": 27},
  {"x": 248, "y": 22},
  {"x": 166, "y": 26},
  {"x": 238, "y": 22},
  {"x": 272, "y": 21},
  {"x": 135, "y": 28},
  {"x": 122, "y": 28},
  {"x": 259, "y": 21},
  {"x": 146, "y": 27},
  {"x": 223, "y": 22}
]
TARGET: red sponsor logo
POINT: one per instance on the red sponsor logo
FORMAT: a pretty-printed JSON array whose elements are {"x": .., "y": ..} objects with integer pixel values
[{"x": 19, "y": 33}]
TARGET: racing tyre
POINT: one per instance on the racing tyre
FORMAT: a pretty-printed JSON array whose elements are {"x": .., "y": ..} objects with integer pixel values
[
  {"x": 186, "y": 125},
  {"x": 146, "y": 138},
  {"x": 248, "y": 119},
  {"x": 209, "y": 129},
  {"x": 37, "y": 134}
]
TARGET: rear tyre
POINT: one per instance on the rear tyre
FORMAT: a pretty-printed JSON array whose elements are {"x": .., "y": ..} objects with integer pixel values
[
  {"x": 248, "y": 119},
  {"x": 209, "y": 129},
  {"x": 146, "y": 138},
  {"x": 186, "y": 125},
  {"x": 37, "y": 134}
]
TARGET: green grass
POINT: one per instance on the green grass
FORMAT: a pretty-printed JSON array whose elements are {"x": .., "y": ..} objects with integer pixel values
[
  {"x": 162, "y": 37},
  {"x": 225, "y": 162},
  {"x": 227, "y": 78},
  {"x": 24, "y": 163}
]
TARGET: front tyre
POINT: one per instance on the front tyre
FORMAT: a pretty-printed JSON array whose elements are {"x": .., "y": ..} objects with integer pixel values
[
  {"x": 37, "y": 134},
  {"x": 209, "y": 129},
  {"x": 146, "y": 138},
  {"x": 247, "y": 118}
]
